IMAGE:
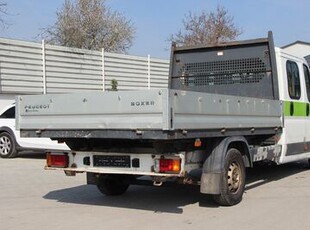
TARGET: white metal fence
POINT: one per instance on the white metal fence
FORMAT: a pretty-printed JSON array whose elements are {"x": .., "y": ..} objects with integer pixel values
[{"x": 34, "y": 68}]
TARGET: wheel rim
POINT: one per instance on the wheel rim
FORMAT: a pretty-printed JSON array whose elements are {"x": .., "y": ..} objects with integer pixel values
[
  {"x": 234, "y": 177},
  {"x": 5, "y": 145}
]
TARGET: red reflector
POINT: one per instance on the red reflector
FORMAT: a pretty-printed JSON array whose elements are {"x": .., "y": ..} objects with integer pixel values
[
  {"x": 197, "y": 143},
  {"x": 169, "y": 165},
  {"x": 60, "y": 161}
]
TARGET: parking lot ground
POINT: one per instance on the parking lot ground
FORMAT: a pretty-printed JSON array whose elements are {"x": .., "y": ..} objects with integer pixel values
[{"x": 276, "y": 197}]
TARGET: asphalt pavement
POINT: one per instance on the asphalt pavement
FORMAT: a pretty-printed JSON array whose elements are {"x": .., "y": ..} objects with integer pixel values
[{"x": 276, "y": 197}]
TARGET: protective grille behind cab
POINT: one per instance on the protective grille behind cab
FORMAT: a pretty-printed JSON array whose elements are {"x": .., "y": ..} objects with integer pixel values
[
  {"x": 237, "y": 68},
  {"x": 240, "y": 71}
]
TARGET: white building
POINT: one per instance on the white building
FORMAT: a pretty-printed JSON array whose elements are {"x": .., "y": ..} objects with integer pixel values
[{"x": 300, "y": 49}]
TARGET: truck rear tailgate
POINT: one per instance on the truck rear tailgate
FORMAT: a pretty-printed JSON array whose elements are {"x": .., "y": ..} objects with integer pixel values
[{"x": 94, "y": 110}]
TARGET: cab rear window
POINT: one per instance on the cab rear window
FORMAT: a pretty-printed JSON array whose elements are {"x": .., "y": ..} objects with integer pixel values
[
  {"x": 293, "y": 80},
  {"x": 307, "y": 79}
]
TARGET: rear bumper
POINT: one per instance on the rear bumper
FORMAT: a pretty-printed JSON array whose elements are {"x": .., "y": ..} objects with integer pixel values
[{"x": 80, "y": 162}]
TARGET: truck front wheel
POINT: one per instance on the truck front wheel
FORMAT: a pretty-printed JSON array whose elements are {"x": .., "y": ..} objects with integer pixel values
[
  {"x": 233, "y": 179},
  {"x": 113, "y": 185}
]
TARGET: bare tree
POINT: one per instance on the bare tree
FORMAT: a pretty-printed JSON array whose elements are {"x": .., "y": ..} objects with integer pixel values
[
  {"x": 90, "y": 24},
  {"x": 3, "y": 11},
  {"x": 207, "y": 28}
]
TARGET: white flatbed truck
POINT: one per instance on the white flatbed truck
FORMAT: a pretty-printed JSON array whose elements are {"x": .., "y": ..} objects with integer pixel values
[{"x": 226, "y": 107}]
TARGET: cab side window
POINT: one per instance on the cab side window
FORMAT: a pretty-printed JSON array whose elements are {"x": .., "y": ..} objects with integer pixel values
[
  {"x": 307, "y": 79},
  {"x": 293, "y": 80},
  {"x": 10, "y": 113}
]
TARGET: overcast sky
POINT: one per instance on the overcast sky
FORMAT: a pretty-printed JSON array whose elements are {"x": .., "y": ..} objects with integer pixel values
[{"x": 156, "y": 20}]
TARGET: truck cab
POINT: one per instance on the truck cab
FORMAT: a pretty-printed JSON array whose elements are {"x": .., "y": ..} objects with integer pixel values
[{"x": 294, "y": 93}]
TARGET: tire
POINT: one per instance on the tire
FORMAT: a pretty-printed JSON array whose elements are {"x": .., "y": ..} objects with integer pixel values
[
  {"x": 7, "y": 145},
  {"x": 78, "y": 145},
  {"x": 113, "y": 185},
  {"x": 233, "y": 179}
]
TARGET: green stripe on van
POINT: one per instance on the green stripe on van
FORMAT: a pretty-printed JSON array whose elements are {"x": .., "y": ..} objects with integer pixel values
[{"x": 295, "y": 109}]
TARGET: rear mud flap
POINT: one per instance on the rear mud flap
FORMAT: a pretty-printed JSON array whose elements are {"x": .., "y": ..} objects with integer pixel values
[{"x": 210, "y": 183}]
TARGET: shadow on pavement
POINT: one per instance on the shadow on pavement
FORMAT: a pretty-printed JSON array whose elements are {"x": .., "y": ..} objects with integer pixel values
[
  {"x": 168, "y": 199},
  {"x": 264, "y": 173},
  {"x": 156, "y": 199},
  {"x": 32, "y": 155}
]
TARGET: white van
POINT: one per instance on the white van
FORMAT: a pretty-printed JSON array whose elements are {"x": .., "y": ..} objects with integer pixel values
[{"x": 11, "y": 143}]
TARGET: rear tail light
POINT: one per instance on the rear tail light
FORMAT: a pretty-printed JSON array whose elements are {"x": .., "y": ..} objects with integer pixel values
[
  {"x": 168, "y": 165},
  {"x": 57, "y": 161}
]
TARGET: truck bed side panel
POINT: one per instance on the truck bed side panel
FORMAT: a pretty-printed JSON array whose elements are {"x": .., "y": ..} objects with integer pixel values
[{"x": 193, "y": 110}]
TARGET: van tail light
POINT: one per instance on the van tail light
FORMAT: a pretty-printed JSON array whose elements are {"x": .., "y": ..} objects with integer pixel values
[
  {"x": 168, "y": 165},
  {"x": 57, "y": 161}
]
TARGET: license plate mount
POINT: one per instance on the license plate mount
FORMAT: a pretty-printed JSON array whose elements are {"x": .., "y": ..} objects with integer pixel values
[{"x": 112, "y": 161}]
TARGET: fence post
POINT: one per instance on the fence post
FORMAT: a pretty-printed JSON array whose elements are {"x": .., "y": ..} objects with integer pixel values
[
  {"x": 149, "y": 71},
  {"x": 103, "y": 75},
  {"x": 44, "y": 67}
]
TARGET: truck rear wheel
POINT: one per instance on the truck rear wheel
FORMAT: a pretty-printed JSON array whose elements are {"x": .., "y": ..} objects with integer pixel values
[
  {"x": 233, "y": 179},
  {"x": 113, "y": 185}
]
